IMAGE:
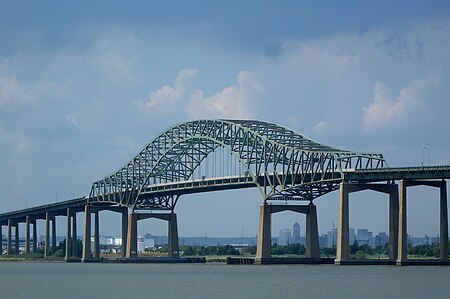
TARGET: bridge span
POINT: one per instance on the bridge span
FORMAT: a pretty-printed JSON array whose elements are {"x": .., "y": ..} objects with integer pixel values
[{"x": 211, "y": 155}]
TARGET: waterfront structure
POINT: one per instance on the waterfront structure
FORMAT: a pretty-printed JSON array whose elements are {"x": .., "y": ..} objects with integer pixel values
[{"x": 211, "y": 155}]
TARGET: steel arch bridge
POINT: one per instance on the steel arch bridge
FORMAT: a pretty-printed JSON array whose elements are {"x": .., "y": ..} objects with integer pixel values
[{"x": 196, "y": 156}]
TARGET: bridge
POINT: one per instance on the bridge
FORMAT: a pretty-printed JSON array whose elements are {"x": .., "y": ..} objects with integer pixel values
[{"x": 211, "y": 155}]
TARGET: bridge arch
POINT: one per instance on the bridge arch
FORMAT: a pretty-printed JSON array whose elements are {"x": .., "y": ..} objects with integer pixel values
[{"x": 282, "y": 163}]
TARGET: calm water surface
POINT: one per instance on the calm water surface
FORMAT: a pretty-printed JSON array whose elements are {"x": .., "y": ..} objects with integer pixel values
[{"x": 61, "y": 280}]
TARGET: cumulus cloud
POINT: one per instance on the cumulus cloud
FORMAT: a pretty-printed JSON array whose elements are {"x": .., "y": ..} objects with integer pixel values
[
  {"x": 182, "y": 98},
  {"x": 172, "y": 96},
  {"x": 384, "y": 111},
  {"x": 232, "y": 102}
]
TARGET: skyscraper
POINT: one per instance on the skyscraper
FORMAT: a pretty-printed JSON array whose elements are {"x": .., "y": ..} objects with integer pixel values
[{"x": 296, "y": 233}]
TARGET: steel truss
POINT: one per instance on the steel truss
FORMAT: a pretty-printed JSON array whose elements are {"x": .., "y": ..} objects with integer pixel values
[{"x": 283, "y": 164}]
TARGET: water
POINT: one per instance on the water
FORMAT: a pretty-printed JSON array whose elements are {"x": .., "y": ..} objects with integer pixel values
[{"x": 60, "y": 280}]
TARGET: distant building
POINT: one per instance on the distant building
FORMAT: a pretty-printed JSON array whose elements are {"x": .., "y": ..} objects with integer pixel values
[
  {"x": 381, "y": 239},
  {"x": 284, "y": 237},
  {"x": 296, "y": 233},
  {"x": 364, "y": 236},
  {"x": 323, "y": 240},
  {"x": 332, "y": 238}
]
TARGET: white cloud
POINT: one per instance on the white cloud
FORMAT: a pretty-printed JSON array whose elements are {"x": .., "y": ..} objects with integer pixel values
[
  {"x": 182, "y": 99},
  {"x": 172, "y": 96},
  {"x": 321, "y": 126},
  {"x": 13, "y": 92},
  {"x": 411, "y": 102},
  {"x": 232, "y": 102}
]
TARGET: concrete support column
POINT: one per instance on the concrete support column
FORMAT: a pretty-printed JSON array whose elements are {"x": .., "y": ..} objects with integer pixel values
[
  {"x": 443, "y": 222},
  {"x": 53, "y": 234},
  {"x": 312, "y": 233},
  {"x": 393, "y": 223},
  {"x": 87, "y": 234},
  {"x": 74, "y": 235},
  {"x": 47, "y": 235},
  {"x": 16, "y": 239},
  {"x": 132, "y": 236},
  {"x": 1, "y": 239},
  {"x": 264, "y": 249},
  {"x": 402, "y": 230},
  {"x": 68, "y": 236},
  {"x": 174, "y": 248},
  {"x": 124, "y": 231},
  {"x": 27, "y": 234},
  {"x": 8, "y": 242},
  {"x": 96, "y": 236},
  {"x": 34, "y": 236},
  {"x": 343, "y": 247}
]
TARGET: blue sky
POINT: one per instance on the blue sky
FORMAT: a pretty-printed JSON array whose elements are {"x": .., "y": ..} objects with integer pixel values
[{"x": 84, "y": 86}]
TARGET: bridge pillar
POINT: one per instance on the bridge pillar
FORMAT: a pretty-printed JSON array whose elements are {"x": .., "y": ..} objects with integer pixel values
[
  {"x": 53, "y": 249},
  {"x": 312, "y": 233},
  {"x": 34, "y": 236},
  {"x": 443, "y": 221},
  {"x": 1, "y": 239},
  {"x": 402, "y": 230},
  {"x": 16, "y": 239},
  {"x": 96, "y": 235},
  {"x": 68, "y": 236},
  {"x": 124, "y": 231},
  {"x": 393, "y": 222},
  {"x": 74, "y": 235},
  {"x": 343, "y": 247},
  {"x": 264, "y": 246},
  {"x": 27, "y": 234},
  {"x": 174, "y": 248},
  {"x": 47, "y": 235},
  {"x": 8, "y": 242},
  {"x": 132, "y": 236},
  {"x": 87, "y": 234}
]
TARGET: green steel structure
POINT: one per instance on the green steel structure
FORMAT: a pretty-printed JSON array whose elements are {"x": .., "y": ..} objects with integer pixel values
[{"x": 282, "y": 163}]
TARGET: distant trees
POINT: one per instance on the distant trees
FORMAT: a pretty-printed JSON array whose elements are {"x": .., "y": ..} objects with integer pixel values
[{"x": 209, "y": 250}]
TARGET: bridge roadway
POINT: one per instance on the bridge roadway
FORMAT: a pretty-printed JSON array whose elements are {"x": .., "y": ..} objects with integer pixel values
[{"x": 349, "y": 181}]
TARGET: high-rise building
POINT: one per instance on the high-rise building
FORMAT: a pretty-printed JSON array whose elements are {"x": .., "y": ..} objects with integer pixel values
[
  {"x": 296, "y": 233},
  {"x": 284, "y": 237},
  {"x": 364, "y": 236},
  {"x": 381, "y": 239}
]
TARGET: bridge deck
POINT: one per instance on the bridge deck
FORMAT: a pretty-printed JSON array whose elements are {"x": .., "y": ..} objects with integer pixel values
[{"x": 196, "y": 186}]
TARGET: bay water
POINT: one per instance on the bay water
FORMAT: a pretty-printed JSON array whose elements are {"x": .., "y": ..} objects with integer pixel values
[{"x": 76, "y": 280}]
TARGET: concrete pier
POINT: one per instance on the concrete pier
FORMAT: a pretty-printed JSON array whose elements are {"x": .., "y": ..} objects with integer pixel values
[
  {"x": 443, "y": 218},
  {"x": 96, "y": 235},
  {"x": 68, "y": 235},
  {"x": 132, "y": 236},
  {"x": 86, "y": 256},
  {"x": 16, "y": 238},
  {"x": 8, "y": 241},
  {"x": 35, "y": 249},
  {"x": 264, "y": 245},
  {"x": 47, "y": 235},
  {"x": 27, "y": 234},
  {"x": 343, "y": 246},
  {"x": 443, "y": 222},
  {"x": 171, "y": 218}
]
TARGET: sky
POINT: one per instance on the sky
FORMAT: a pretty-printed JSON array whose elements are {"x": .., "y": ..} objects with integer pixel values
[{"x": 85, "y": 85}]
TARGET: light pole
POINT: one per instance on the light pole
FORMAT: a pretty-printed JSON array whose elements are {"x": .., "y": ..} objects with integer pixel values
[{"x": 426, "y": 146}]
